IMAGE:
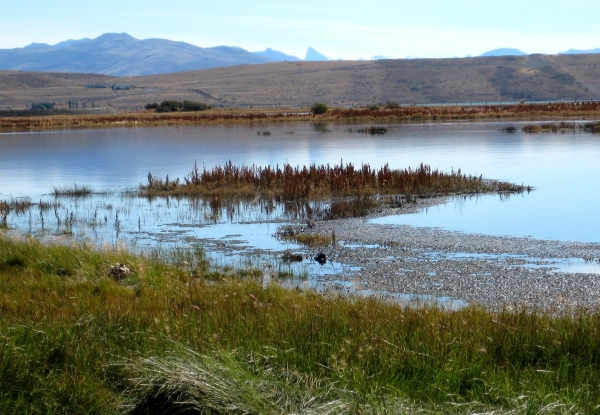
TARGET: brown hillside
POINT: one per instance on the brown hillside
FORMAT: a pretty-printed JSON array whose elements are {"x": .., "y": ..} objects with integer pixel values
[{"x": 534, "y": 77}]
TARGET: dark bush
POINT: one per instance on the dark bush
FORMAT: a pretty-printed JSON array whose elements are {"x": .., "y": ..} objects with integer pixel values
[
  {"x": 392, "y": 105},
  {"x": 194, "y": 106},
  {"x": 169, "y": 106},
  {"x": 42, "y": 106},
  {"x": 319, "y": 108},
  {"x": 174, "y": 106}
]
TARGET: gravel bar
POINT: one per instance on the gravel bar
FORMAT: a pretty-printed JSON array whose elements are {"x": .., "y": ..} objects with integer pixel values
[{"x": 493, "y": 271}]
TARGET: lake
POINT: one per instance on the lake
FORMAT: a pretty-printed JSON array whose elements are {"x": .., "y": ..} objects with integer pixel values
[{"x": 562, "y": 167}]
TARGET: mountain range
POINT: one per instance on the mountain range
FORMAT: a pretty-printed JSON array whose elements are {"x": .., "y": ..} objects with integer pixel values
[{"x": 120, "y": 54}]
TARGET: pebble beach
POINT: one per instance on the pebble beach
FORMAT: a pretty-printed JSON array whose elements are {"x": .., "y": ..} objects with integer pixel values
[{"x": 493, "y": 271}]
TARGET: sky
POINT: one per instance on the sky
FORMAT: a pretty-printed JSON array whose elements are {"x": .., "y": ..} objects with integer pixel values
[{"x": 339, "y": 29}]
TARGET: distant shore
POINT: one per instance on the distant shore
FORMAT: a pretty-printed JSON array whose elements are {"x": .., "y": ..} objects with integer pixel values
[{"x": 41, "y": 121}]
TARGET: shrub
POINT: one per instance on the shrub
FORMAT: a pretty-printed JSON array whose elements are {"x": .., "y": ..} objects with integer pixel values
[
  {"x": 169, "y": 106},
  {"x": 319, "y": 108},
  {"x": 42, "y": 106},
  {"x": 392, "y": 105},
  {"x": 174, "y": 106},
  {"x": 194, "y": 106}
]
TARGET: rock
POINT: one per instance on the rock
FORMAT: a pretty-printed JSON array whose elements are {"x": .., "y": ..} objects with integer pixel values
[
  {"x": 321, "y": 258},
  {"x": 119, "y": 271}
]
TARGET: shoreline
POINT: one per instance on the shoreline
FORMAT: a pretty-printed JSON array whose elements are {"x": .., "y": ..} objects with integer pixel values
[
  {"x": 38, "y": 121},
  {"x": 496, "y": 272}
]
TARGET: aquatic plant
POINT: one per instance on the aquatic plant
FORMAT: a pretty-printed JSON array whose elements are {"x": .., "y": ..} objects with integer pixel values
[
  {"x": 72, "y": 191},
  {"x": 320, "y": 181},
  {"x": 551, "y": 128}
]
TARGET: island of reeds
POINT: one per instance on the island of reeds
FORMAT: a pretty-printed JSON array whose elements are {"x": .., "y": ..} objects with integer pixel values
[
  {"x": 165, "y": 335},
  {"x": 320, "y": 181}
]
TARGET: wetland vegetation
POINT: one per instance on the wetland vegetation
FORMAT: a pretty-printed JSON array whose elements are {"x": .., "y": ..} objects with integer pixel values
[
  {"x": 170, "y": 336},
  {"x": 320, "y": 181},
  {"x": 175, "y": 114}
]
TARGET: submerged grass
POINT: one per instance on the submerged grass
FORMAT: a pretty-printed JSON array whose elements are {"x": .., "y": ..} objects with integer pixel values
[
  {"x": 72, "y": 191},
  {"x": 563, "y": 126},
  {"x": 76, "y": 340},
  {"x": 319, "y": 181}
]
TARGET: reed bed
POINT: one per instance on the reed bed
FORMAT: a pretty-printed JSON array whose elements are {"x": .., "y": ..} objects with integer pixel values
[
  {"x": 319, "y": 181},
  {"x": 472, "y": 111},
  {"x": 72, "y": 191},
  {"x": 77, "y": 340},
  {"x": 141, "y": 119},
  {"x": 563, "y": 126},
  {"x": 232, "y": 116}
]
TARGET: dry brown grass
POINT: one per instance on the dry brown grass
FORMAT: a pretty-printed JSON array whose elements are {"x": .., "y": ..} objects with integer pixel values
[
  {"x": 319, "y": 181},
  {"x": 247, "y": 116},
  {"x": 344, "y": 83}
]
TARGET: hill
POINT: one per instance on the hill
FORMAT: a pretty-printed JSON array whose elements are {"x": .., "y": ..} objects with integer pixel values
[
  {"x": 579, "y": 51},
  {"x": 343, "y": 83},
  {"x": 122, "y": 55}
]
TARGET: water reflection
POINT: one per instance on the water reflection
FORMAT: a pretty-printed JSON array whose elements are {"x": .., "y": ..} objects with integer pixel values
[{"x": 355, "y": 289}]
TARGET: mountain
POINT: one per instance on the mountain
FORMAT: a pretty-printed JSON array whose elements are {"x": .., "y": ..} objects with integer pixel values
[
  {"x": 276, "y": 56},
  {"x": 120, "y": 54},
  {"x": 313, "y": 55},
  {"x": 504, "y": 52},
  {"x": 579, "y": 51}
]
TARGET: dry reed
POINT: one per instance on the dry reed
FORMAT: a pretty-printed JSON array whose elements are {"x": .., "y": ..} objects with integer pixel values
[{"x": 320, "y": 181}]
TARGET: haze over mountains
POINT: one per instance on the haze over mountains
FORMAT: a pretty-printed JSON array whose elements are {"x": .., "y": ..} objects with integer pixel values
[{"x": 120, "y": 54}]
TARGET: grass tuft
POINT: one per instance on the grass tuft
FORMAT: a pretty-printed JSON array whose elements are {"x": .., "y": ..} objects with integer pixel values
[{"x": 72, "y": 191}]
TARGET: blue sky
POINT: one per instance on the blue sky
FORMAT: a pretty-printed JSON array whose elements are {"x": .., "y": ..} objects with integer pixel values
[{"x": 347, "y": 29}]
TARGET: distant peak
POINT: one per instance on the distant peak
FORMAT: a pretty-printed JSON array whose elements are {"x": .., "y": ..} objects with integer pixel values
[
  {"x": 313, "y": 55},
  {"x": 504, "y": 52}
]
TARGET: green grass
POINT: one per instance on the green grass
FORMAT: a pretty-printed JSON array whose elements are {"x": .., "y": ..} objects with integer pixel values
[{"x": 75, "y": 340}]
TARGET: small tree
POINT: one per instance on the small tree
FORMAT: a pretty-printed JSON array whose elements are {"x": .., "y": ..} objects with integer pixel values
[
  {"x": 392, "y": 105},
  {"x": 319, "y": 108}
]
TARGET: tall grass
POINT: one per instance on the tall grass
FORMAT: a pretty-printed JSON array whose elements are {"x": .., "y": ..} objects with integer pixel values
[
  {"x": 319, "y": 181},
  {"x": 76, "y": 340}
]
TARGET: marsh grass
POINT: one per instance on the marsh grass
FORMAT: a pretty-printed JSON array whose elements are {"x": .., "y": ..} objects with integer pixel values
[
  {"x": 311, "y": 240},
  {"x": 236, "y": 116},
  {"x": 75, "y": 340},
  {"x": 319, "y": 181},
  {"x": 76, "y": 191}
]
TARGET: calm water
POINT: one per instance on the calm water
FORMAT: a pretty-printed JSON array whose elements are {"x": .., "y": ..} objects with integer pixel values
[{"x": 563, "y": 168}]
